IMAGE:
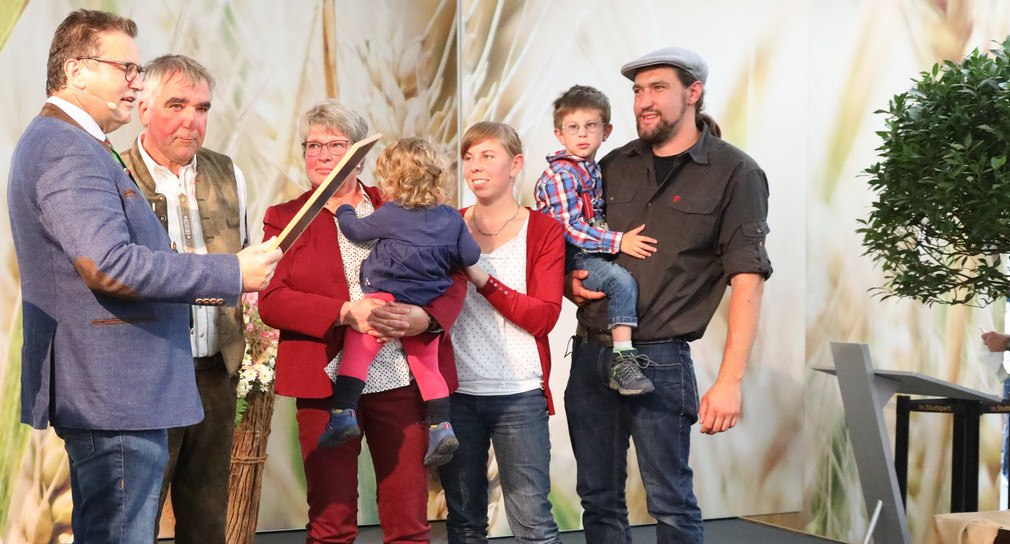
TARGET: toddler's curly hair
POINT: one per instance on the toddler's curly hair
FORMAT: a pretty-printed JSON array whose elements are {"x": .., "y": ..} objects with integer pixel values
[{"x": 412, "y": 172}]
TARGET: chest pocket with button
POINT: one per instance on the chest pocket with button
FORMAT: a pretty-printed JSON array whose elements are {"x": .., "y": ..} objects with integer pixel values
[
  {"x": 693, "y": 219},
  {"x": 620, "y": 210}
]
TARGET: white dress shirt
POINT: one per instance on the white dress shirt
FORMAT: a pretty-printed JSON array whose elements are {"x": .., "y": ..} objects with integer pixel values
[
  {"x": 203, "y": 335},
  {"x": 82, "y": 117}
]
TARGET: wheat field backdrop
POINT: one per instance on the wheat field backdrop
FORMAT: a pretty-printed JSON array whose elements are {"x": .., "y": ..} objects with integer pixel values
[{"x": 792, "y": 82}]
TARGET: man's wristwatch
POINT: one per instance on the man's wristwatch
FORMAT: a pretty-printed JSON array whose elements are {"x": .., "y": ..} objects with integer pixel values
[{"x": 433, "y": 326}]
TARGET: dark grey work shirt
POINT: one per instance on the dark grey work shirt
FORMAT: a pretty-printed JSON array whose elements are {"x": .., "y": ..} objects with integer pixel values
[{"x": 710, "y": 218}]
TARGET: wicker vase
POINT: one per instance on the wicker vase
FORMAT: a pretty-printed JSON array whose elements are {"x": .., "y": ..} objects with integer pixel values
[{"x": 248, "y": 457}]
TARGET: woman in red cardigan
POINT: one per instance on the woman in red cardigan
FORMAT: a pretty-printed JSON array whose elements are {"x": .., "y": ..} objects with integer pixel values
[
  {"x": 314, "y": 294},
  {"x": 502, "y": 354}
]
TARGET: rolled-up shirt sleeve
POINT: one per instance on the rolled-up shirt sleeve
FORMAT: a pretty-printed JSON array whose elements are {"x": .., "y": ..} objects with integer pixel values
[{"x": 745, "y": 224}]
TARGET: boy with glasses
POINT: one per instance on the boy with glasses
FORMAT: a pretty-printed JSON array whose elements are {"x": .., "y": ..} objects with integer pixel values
[{"x": 571, "y": 191}]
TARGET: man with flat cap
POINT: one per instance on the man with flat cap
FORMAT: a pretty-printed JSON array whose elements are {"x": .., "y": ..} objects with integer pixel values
[{"x": 707, "y": 203}]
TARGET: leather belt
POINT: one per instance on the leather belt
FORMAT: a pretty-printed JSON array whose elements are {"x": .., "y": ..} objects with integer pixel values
[
  {"x": 595, "y": 336},
  {"x": 603, "y": 338},
  {"x": 209, "y": 362}
]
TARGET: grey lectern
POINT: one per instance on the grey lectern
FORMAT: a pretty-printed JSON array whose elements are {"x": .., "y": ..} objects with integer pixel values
[{"x": 865, "y": 392}]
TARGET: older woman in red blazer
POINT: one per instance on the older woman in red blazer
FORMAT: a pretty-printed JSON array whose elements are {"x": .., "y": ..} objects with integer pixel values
[{"x": 312, "y": 297}]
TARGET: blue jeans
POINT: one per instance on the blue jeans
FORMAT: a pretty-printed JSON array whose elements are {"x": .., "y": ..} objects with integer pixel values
[
  {"x": 609, "y": 277},
  {"x": 601, "y": 421},
  {"x": 115, "y": 477},
  {"x": 517, "y": 426}
]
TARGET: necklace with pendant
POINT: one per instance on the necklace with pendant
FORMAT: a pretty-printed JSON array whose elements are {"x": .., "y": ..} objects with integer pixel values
[{"x": 476, "y": 222}]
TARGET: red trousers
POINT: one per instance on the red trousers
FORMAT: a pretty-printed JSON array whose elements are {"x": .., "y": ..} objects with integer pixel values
[{"x": 393, "y": 423}]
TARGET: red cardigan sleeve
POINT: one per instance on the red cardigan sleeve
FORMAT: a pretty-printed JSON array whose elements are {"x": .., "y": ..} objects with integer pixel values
[
  {"x": 286, "y": 307},
  {"x": 446, "y": 308},
  {"x": 537, "y": 311}
]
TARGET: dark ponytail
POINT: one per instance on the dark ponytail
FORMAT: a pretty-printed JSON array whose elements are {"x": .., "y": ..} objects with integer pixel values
[
  {"x": 706, "y": 119},
  {"x": 702, "y": 119}
]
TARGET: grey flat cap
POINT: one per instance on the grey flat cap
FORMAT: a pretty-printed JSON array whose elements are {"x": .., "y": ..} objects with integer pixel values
[{"x": 669, "y": 56}]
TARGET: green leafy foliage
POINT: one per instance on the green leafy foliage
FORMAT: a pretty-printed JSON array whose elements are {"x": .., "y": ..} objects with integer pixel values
[
  {"x": 240, "y": 407},
  {"x": 942, "y": 217},
  {"x": 13, "y": 434}
]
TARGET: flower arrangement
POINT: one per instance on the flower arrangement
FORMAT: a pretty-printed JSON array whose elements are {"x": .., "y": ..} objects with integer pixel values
[
  {"x": 257, "y": 372},
  {"x": 253, "y": 412}
]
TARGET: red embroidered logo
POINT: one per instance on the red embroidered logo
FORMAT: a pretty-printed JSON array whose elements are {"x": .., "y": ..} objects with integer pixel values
[{"x": 676, "y": 198}]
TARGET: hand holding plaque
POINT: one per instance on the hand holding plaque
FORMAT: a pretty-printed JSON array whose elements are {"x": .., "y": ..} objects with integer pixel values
[{"x": 322, "y": 194}]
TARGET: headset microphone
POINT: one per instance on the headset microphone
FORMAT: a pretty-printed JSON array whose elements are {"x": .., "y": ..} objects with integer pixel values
[{"x": 108, "y": 103}]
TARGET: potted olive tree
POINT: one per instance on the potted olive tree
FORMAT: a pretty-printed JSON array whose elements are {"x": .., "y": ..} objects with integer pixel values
[
  {"x": 942, "y": 216},
  {"x": 941, "y": 221}
]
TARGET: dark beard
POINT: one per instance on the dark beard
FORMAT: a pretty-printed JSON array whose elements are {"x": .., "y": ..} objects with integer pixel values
[{"x": 659, "y": 135}]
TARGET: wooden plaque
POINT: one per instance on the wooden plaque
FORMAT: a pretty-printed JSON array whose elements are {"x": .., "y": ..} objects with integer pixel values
[{"x": 322, "y": 194}]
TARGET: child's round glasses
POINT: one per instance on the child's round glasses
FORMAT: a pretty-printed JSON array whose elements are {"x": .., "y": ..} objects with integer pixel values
[{"x": 591, "y": 127}]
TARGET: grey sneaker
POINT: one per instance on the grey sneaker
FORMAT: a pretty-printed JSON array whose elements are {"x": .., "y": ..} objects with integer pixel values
[{"x": 625, "y": 375}]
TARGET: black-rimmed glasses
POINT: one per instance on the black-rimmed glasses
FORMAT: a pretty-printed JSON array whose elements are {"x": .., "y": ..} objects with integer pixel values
[
  {"x": 337, "y": 148},
  {"x": 130, "y": 70}
]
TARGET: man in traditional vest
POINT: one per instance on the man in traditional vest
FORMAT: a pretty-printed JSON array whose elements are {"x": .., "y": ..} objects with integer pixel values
[{"x": 200, "y": 198}]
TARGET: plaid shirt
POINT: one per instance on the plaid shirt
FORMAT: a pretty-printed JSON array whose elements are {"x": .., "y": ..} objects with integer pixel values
[{"x": 559, "y": 195}]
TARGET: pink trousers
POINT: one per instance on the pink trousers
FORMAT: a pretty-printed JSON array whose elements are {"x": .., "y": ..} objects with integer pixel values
[{"x": 421, "y": 350}]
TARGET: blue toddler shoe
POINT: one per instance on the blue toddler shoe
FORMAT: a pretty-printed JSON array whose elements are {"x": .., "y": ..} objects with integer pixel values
[
  {"x": 442, "y": 443},
  {"x": 343, "y": 426}
]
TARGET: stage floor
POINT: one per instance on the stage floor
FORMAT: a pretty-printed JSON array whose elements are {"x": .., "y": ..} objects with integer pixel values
[{"x": 717, "y": 531}]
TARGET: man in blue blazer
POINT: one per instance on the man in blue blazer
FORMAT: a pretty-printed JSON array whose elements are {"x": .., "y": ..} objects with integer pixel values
[{"x": 106, "y": 358}]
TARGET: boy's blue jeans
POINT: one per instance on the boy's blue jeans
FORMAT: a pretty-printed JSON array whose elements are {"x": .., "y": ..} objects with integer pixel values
[{"x": 607, "y": 276}]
